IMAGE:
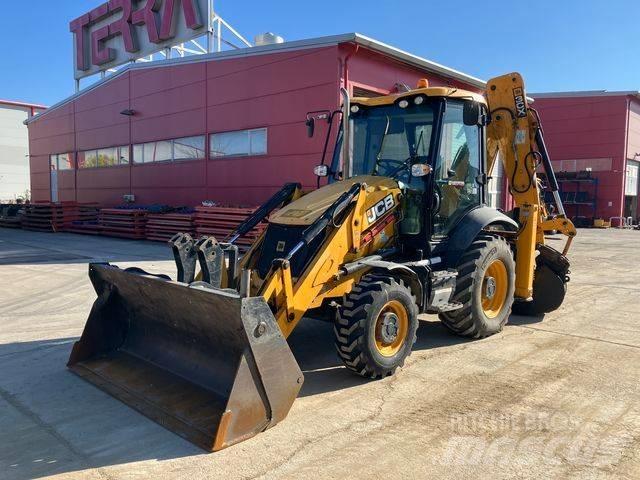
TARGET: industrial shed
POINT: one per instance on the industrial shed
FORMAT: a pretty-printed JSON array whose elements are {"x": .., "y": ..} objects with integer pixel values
[
  {"x": 226, "y": 126},
  {"x": 594, "y": 141},
  {"x": 14, "y": 149}
]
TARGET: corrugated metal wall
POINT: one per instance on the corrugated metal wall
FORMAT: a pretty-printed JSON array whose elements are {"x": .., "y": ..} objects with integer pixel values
[
  {"x": 590, "y": 132},
  {"x": 272, "y": 90}
]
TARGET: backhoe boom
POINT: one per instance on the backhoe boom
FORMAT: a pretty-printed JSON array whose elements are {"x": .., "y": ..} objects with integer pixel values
[{"x": 514, "y": 130}]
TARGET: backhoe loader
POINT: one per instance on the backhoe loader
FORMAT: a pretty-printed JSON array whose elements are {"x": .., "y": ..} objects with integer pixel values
[{"x": 400, "y": 228}]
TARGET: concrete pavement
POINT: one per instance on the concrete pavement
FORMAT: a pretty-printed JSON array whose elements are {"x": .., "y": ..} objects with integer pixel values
[{"x": 553, "y": 397}]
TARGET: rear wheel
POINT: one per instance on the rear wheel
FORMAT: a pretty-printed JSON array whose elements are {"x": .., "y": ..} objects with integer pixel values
[
  {"x": 376, "y": 326},
  {"x": 485, "y": 287}
]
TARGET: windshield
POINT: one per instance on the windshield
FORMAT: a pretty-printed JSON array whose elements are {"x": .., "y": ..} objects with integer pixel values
[{"x": 386, "y": 141}]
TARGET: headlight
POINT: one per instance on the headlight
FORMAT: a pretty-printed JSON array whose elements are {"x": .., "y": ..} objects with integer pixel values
[
  {"x": 418, "y": 100},
  {"x": 403, "y": 103},
  {"x": 355, "y": 108},
  {"x": 321, "y": 170}
]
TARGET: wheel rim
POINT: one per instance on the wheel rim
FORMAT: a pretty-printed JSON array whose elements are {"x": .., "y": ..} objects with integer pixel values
[
  {"x": 392, "y": 326},
  {"x": 494, "y": 288}
]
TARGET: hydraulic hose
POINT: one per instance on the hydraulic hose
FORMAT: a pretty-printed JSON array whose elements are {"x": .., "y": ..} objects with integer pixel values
[
  {"x": 326, "y": 219},
  {"x": 283, "y": 195}
]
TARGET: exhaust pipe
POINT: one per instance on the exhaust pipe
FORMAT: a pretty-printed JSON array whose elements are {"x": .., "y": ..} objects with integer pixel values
[{"x": 347, "y": 165}]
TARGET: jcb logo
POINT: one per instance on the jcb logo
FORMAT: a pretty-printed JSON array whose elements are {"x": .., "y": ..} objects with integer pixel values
[
  {"x": 521, "y": 105},
  {"x": 380, "y": 208}
]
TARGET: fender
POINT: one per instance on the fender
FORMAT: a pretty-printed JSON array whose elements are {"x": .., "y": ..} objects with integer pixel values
[
  {"x": 470, "y": 226},
  {"x": 400, "y": 271}
]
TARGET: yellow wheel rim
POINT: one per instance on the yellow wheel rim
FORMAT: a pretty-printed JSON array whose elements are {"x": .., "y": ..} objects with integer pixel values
[
  {"x": 494, "y": 288},
  {"x": 392, "y": 327}
]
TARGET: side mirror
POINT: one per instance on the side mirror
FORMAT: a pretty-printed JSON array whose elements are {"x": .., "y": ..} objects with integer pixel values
[
  {"x": 321, "y": 171},
  {"x": 472, "y": 114},
  {"x": 420, "y": 170},
  {"x": 311, "y": 126}
]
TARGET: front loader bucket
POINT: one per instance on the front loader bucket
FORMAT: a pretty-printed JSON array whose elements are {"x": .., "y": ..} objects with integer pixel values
[{"x": 205, "y": 363}]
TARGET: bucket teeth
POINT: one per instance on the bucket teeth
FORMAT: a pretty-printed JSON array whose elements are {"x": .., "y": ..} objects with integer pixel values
[
  {"x": 211, "y": 257},
  {"x": 185, "y": 256}
]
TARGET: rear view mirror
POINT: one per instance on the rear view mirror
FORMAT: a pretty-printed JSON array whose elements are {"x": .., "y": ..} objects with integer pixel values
[
  {"x": 311, "y": 126},
  {"x": 472, "y": 113}
]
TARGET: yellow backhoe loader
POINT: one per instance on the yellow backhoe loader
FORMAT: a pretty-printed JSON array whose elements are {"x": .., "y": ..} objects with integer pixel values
[{"x": 401, "y": 228}]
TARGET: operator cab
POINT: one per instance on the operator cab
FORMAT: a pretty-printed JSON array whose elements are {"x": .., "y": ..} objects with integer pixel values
[{"x": 429, "y": 140}]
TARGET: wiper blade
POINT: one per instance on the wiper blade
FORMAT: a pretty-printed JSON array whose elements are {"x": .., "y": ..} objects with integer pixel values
[{"x": 379, "y": 154}]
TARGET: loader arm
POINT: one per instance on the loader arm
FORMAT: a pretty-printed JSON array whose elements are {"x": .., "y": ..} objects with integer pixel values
[
  {"x": 514, "y": 130},
  {"x": 292, "y": 299}
]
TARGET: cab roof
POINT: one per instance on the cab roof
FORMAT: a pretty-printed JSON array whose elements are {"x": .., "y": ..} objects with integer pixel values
[{"x": 448, "y": 92}]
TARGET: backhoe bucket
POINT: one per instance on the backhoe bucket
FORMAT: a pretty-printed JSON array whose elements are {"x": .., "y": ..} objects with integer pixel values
[{"x": 204, "y": 363}]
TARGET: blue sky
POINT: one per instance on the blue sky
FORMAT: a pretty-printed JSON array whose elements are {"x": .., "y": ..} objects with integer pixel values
[{"x": 556, "y": 45}]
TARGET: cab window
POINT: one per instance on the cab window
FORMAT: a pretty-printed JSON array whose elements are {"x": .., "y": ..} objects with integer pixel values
[{"x": 457, "y": 171}]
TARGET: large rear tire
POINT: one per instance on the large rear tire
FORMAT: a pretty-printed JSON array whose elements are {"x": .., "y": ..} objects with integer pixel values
[
  {"x": 485, "y": 287},
  {"x": 376, "y": 326}
]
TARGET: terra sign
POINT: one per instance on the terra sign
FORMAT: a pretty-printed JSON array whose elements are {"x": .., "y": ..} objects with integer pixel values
[{"x": 119, "y": 31}]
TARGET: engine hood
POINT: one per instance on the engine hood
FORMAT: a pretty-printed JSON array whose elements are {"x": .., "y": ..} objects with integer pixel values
[{"x": 309, "y": 207}]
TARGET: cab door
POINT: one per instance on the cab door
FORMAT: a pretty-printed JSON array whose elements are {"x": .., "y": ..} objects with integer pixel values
[{"x": 457, "y": 179}]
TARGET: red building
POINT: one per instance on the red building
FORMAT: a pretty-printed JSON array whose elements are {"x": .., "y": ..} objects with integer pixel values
[
  {"x": 228, "y": 126},
  {"x": 594, "y": 134}
]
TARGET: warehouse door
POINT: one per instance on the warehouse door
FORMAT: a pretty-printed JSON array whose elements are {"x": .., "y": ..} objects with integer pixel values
[
  {"x": 54, "y": 178},
  {"x": 631, "y": 190}
]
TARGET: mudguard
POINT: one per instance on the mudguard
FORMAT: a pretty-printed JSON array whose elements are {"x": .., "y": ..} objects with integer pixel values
[{"x": 470, "y": 226}]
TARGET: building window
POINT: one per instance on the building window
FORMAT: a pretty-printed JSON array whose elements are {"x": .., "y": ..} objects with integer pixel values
[
  {"x": 595, "y": 164},
  {"x": 108, "y": 157},
  {"x": 241, "y": 143},
  {"x": 631, "y": 179},
  {"x": 494, "y": 187},
  {"x": 104, "y": 157},
  {"x": 187, "y": 148},
  {"x": 62, "y": 161}
]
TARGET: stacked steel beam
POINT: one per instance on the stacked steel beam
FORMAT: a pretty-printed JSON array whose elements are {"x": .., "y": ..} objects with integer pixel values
[
  {"x": 10, "y": 216},
  {"x": 123, "y": 223},
  {"x": 161, "y": 227},
  {"x": 220, "y": 222},
  {"x": 86, "y": 220},
  {"x": 49, "y": 217},
  {"x": 10, "y": 222}
]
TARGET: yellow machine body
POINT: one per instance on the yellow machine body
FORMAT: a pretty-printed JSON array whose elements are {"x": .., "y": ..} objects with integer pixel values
[{"x": 207, "y": 357}]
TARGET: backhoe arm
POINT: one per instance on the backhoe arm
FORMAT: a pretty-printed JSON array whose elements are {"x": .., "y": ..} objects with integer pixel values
[{"x": 515, "y": 131}]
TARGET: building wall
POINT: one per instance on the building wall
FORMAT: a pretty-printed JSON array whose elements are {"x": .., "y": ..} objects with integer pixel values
[
  {"x": 52, "y": 133},
  {"x": 589, "y": 132},
  {"x": 170, "y": 102},
  {"x": 633, "y": 136},
  {"x": 632, "y": 202},
  {"x": 272, "y": 90},
  {"x": 365, "y": 68},
  {"x": 14, "y": 150}
]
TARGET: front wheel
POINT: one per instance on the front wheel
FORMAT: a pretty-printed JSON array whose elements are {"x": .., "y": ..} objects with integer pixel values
[
  {"x": 376, "y": 326},
  {"x": 485, "y": 287}
]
